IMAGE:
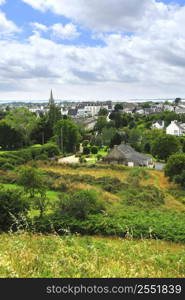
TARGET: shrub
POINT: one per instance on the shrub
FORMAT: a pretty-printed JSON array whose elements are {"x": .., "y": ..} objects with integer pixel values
[
  {"x": 82, "y": 160},
  {"x": 145, "y": 196},
  {"x": 85, "y": 143},
  {"x": 7, "y": 166},
  {"x": 94, "y": 150},
  {"x": 80, "y": 204},
  {"x": 12, "y": 203},
  {"x": 86, "y": 150}
]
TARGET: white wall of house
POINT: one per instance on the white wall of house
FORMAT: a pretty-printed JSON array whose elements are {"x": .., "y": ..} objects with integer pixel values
[
  {"x": 174, "y": 129},
  {"x": 157, "y": 125}
]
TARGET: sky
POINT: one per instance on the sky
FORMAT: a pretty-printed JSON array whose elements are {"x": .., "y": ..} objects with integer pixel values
[{"x": 92, "y": 49}]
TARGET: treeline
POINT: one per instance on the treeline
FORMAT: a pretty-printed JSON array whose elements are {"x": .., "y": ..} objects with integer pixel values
[{"x": 21, "y": 128}]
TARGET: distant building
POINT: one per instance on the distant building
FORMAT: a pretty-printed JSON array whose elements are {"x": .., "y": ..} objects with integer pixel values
[
  {"x": 175, "y": 128},
  {"x": 125, "y": 154},
  {"x": 51, "y": 99},
  {"x": 158, "y": 125}
]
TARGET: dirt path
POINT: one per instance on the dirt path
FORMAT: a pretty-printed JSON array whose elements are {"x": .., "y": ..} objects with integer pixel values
[{"x": 71, "y": 160}]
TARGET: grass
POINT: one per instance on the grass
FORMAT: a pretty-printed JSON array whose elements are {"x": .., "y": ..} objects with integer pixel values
[{"x": 30, "y": 256}]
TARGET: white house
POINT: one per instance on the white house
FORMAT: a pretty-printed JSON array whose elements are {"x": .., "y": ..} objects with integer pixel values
[
  {"x": 158, "y": 125},
  {"x": 175, "y": 128}
]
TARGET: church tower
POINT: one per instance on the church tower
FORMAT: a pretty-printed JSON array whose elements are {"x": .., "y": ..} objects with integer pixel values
[{"x": 51, "y": 99}]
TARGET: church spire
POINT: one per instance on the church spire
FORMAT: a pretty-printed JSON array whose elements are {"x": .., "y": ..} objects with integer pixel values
[{"x": 51, "y": 99}]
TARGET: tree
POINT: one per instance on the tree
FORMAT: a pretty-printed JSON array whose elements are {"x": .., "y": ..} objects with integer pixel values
[
  {"x": 116, "y": 140},
  {"x": 118, "y": 107},
  {"x": 166, "y": 145},
  {"x": 100, "y": 124},
  {"x": 10, "y": 138},
  {"x": 80, "y": 204},
  {"x": 103, "y": 112},
  {"x": 94, "y": 150},
  {"x": 177, "y": 101},
  {"x": 23, "y": 121},
  {"x": 175, "y": 165},
  {"x": 34, "y": 185},
  {"x": 12, "y": 205},
  {"x": 107, "y": 135},
  {"x": 42, "y": 131},
  {"x": 135, "y": 138},
  {"x": 86, "y": 150},
  {"x": 68, "y": 134}
]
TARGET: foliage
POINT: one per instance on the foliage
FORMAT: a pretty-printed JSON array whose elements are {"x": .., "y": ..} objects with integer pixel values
[
  {"x": 86, "y": 150},
  {"x": 94, "y": 150},
  {"x": 12, "y": 204},
  {"x": 34, "y": 185},
  {"x": 80, "y": 204},
  {"x": 166, "y": 145},
  {"x": 10, "y": 138},
  {"x": 175, "y": 167},
  {"x": 68, "y": 135}
]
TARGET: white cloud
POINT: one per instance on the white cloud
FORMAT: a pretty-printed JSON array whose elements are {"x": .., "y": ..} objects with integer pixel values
[
  {"x": 58, "y": 31},
  {"x": 2, "y": 2},
  {"x": 65, "y": 32},
  {"x": 39, "y": 26},
  {"x": 148, "y": 63},
  {"x": 106, "y": 15},
  {"x": 7, "y": 27}
]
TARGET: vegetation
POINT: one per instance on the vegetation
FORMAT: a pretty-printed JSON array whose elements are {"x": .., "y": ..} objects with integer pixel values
[{"x": 88, "y": 257}]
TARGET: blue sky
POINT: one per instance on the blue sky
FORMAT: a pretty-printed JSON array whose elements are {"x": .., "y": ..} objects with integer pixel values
[{"x": 91, "y": 49}]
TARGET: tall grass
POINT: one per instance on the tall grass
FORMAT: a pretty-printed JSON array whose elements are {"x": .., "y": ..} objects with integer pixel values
[{"x": 79, "y": 257}]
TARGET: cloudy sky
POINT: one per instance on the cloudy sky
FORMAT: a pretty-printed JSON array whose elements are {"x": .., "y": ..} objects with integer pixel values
[{"x": 92, "y": 49}]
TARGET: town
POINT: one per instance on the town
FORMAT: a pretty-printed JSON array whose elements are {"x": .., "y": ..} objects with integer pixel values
[{"x": 92, "y": 146}]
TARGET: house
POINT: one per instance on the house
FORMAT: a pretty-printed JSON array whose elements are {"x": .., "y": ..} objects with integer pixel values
[
  {"x": 175, "y": 128},
  {"x": 158, "y": 125},
  {"x": 125, "y": 154}
]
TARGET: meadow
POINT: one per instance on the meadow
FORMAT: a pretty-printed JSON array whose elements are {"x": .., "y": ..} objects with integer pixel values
[
  {"x": 52, "y": 256},
  {"x": 140, "y": 233}
]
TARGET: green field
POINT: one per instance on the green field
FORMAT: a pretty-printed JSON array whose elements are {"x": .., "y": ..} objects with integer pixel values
[
  {"x": 24, "y": 255},
  {"x": 139, "y": 239}
]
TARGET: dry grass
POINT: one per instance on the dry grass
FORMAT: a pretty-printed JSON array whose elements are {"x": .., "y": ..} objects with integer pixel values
[{"x": 53, "y": 256}]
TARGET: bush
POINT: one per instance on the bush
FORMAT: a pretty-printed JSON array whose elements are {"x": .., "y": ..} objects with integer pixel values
[
  {"x": 94, "y": 150},
  {"x": 85, "y": 143},
  {"x": 80, "y": 204},
  {"x": 82, "y": 160},
  {"x": 7, "y": 166},
  {"x": 86, "y": 150},
  {"x": 175, "y": 165},
  {"x": 138, "y": 223},
  {"x": 147, "y": 196},
  {"x": 12, "y": 204}
]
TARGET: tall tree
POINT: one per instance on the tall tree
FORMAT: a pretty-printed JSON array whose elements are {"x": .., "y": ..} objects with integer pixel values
[
  {"x": 10, "y": 138},
  {"x": 68, "y": 135}
]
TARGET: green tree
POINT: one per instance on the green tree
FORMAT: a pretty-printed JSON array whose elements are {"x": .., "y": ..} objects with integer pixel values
[
  {"x": 107, "y": 135},
  {"x": 12, "y": 205},
  {"x": 103, "y": 112},
  {"x": 80, "y": 204},
  {"x": 34, "y": 185},
  {"x": 118, "y": 107},
  {"x": 175, "y": 165},
  {"x": 10, "y": 138},
  {"x": 116, "y": 140},
  {"x": 23, "y": 121},
  {"x": 101, "y": 123},
  {"x": 166, "y": 145},
  {"x": 68, "y": 134}
]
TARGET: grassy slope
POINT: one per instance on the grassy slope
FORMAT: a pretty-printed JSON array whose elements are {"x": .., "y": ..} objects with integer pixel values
[
  {"x": 80, "y": 257},
  {"x": 156, "y": 178},
  {"x": 54, "y": 256}
]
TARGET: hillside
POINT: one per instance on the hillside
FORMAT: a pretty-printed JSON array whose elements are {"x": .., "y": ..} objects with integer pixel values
[{"x": 81, "y": 257}]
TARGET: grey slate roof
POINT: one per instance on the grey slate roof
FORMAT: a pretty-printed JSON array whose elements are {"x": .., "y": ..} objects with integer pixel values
[{"x": 126, "y": 153}]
